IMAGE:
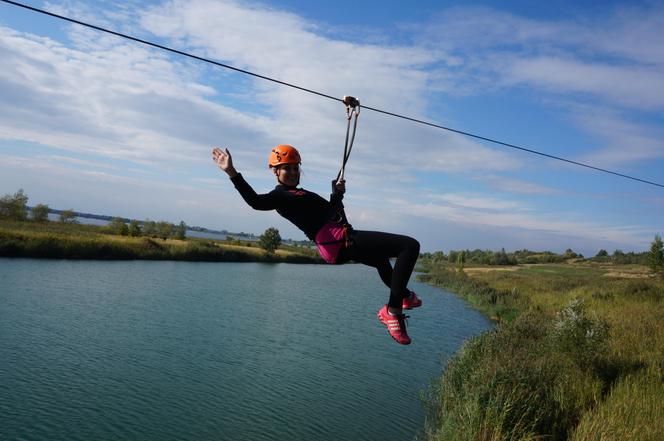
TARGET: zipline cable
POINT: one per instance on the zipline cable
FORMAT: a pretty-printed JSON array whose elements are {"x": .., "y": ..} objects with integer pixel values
[{"x": 283, "y": 83}]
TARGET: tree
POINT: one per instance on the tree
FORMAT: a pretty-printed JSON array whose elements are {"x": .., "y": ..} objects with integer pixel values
[
  {"x": 150, "y": 228},
  {"x": 618, "y": 256},
  {"x": 270, "y": 240},
  {"x": 68, "y": 216},
  {"x": 134, "y": 228},
  {"x": 118, "y": 226},
  {"x": 181, "y": 231},
  {"x": 452, "y": 256},
  {"x": 40, "y": 213},
  {"x": 14, "y": 207},
  {"x": 656, "y": 257},
  {"x": 601, "y": 256},
  {"x": 501, "y": 258},
  {"x": 438, "y": 256},
  {"x": 570, "y": 254},
  {"x": 461, "y": 259},
  {"x": 165, "y": 229}
]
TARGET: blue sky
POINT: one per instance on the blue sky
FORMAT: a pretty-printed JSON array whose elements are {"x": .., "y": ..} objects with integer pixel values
[{"x": 100, "y": 124}]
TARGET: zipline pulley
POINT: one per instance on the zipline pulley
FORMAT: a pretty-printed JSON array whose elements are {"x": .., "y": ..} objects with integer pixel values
[{"x": 352, "y": 110}]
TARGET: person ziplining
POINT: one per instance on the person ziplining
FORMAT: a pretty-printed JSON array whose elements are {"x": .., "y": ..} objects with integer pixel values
[{"x": 326, "y": 224}]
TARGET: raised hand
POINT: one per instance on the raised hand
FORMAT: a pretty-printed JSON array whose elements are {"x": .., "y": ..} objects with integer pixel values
[{"x": 224, "y": 161}]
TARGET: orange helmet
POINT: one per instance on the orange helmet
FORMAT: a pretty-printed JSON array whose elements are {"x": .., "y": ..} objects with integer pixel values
[{"x": 284, "y": 154}]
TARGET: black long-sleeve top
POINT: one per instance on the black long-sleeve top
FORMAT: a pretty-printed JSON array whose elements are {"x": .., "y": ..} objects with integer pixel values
[{"x": 307, "y": 210}]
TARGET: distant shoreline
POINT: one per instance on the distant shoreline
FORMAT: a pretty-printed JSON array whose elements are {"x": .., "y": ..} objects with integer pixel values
[
  {"x": 193, "y": 228},
  {"x": 55, "y": 240}
]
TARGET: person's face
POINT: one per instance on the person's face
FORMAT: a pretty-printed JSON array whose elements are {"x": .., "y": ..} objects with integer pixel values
[{"x": 288, "y": 174}]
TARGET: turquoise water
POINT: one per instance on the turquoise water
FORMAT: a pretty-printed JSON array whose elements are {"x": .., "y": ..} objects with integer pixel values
[{"x": 139, "y": 350}]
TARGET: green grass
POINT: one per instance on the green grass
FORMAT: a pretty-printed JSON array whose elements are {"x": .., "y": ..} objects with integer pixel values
[
  {"x": 73, "y": 241},
  {"x": 577, "y": 354},
  {"x": 634, "y": 409}
]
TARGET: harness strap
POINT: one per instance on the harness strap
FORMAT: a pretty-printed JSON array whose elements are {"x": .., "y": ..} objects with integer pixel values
[{"x": 352, "y": 109}]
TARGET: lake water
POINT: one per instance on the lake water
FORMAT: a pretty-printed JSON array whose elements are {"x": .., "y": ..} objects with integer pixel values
[{"x": 139, "y": 350}]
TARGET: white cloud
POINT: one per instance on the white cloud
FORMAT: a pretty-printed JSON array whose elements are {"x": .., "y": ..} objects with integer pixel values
[
  {"x": 630, "y": 86},
  {"x": 616, "y": 59},
  {"x": 121, "y": 102},
  {"x": 610, "y": 63},
  {"x": 517, "y": 186},
  {"x": 477, "y": 202},
  {"x": 76, "y": 161},
  {"x": 622, "y": 140},
  {"x": 560, "y": 224}
]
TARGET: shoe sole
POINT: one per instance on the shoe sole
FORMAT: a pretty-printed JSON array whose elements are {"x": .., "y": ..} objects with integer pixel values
[{"x": 412, "y": 307}]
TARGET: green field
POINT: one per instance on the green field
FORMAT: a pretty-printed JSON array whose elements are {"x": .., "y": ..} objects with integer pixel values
[
  {"x": 577, "y": 354},
  {"x": 75, "y": 241}
]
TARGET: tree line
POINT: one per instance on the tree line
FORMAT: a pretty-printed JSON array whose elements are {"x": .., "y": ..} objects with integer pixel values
[
  {"x": 15, "y": 207},
  {"x": 654, "y": 258},
  {"x": 148, "y": 228}
]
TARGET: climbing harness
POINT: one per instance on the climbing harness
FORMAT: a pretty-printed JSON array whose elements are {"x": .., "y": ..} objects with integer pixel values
[
  {"x": 331, "y": 239},
  {"x": 352, "y": 110}
]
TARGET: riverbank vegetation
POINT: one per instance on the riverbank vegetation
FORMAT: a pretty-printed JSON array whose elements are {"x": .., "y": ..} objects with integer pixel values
[
  {"x": 62, "y": 240},
  {"x": 577, "y": 352},
  {"x": 27, "y": 232}
]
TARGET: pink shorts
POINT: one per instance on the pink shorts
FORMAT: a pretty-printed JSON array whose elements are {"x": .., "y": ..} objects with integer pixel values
[{"x": 330, "y": 240}]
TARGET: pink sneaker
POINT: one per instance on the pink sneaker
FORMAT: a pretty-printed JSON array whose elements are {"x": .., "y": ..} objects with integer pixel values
[
  {"x": 396, "y": 325},
  {"x": 411, "y": 301}
]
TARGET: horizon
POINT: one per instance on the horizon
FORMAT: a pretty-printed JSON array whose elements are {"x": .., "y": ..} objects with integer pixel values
[
  {"x": 125, "y": 128},
  {"x": 287, "y": 239}
]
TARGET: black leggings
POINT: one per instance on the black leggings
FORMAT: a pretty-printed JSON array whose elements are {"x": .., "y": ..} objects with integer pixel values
[{"x": 375, "y": 249}]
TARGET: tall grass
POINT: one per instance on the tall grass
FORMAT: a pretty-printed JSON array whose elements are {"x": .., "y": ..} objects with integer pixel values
[
  {"x": 634, "y": 410},
  {"x": 500, "y": 304},
  {"x": 579, "y": 356}
]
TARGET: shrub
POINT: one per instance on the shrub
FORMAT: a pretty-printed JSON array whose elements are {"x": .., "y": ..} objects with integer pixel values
[
  {"x": 40, "y": 213},
  {"x": 583, "y": 337},
  {"x": 68, "y": 216},
  {"x": 511, "y": 384}
]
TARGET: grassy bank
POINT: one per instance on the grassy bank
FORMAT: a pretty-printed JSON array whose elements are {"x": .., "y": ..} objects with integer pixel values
[
  {"x": 73, "y": 241},
  {"x": 577, "y": 354}
]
